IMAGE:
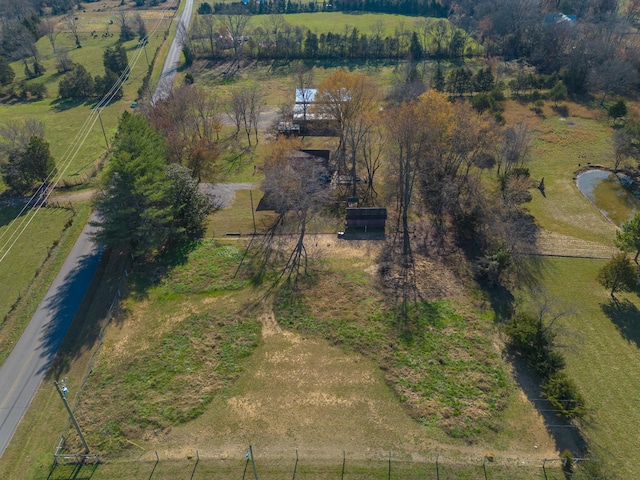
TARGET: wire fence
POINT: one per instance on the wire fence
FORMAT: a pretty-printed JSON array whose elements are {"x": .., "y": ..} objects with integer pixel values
[{"x": 257, "y": 464}]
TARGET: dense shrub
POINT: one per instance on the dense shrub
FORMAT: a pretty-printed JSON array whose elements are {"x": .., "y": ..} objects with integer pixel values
[
  {"x": 532, "y": 339},
  {"x": 77, "y": 84},
  {"x": 564, "y": 396}
]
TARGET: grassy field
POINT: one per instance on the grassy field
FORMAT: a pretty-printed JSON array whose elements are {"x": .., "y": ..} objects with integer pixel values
[
  {"x": 174, "y": 376},
  {"x": 31, "y": 265},
  {"x": 560, "y": 148},
  {"x": 601, "y": 340},
  {"x": 64, "y": 119},
  {"x": 601, "y": 344}
]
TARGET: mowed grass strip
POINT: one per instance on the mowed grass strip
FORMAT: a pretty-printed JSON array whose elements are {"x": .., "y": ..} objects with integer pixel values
[
  {"x": 602, "y": 346},
  {"x": 308, "y": 468},
  {"x": 32, "y": 263}
]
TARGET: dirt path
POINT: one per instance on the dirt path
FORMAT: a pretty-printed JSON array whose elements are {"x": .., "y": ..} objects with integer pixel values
[
  {"x": 79, "y": 196},
  {"x": 555, "y": 244}
]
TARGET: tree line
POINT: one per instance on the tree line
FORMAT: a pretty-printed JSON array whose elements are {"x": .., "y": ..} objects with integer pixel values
[
  {"x": 231, "y": 36},
  {"x": 594, "y": 50},
  {"x": 424, "y": 8}
]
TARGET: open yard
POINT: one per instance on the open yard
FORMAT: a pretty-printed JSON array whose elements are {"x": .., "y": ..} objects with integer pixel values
[{"x": 198, "y": 363}]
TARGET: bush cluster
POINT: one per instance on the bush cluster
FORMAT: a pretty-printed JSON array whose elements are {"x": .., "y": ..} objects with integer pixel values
[{"x": 533, "y": 341}]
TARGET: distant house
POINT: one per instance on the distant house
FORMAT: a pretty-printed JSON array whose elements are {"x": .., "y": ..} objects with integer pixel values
[
  {"x": 305, "y": 98},
  {"x": 310, "y": 116},
  {"x": 558, "y": 19}
]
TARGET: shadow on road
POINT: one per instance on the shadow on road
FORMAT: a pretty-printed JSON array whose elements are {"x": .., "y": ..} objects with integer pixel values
[
  {"x": 89, "y": 316},
  {"x": 63, "y": 306}
]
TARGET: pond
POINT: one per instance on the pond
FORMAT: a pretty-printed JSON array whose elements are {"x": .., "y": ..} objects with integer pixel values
[{"x": 607, "y": 193}]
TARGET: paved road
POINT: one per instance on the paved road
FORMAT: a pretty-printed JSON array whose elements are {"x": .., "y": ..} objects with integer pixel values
[
  {"x": 173, "y": 57},
  {"x": 24, "y": 369}
]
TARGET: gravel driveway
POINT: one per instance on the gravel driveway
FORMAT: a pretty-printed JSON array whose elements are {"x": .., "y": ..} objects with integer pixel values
[{"x": 223, "y": 194}]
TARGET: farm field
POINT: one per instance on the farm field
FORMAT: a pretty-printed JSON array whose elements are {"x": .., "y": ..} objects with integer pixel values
[
  {"x": 198, "y": 362},
  {"x": 78, "y": 152},
  {"x": 64, "y": 119}
]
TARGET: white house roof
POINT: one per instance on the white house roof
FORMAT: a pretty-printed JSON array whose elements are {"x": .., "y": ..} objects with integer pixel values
[{"x": 306, "y": 95}]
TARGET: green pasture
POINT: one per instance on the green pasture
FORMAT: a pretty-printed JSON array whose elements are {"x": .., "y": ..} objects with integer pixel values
[
  {"x": 345, "y": 22},
  {"x": 64, "y": 119},
  {"x": 369, "y": 23},
  {"x": 33, "y": 262},
  {"x": 601, "y": 343},
  {"x": 18, "y": 267},
  {"x": 560, "y": 149}
]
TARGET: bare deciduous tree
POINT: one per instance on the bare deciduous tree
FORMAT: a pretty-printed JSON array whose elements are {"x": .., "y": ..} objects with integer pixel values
[
  {"x": 245, "y": 107},
  {"x": 71, "y": 21},
  {"x": 344, "y": 97},
  {"x": 208, "y": 25},
  {"x": 15, "y": 136},
  {"x": 237, "y": 27},
  {"x": 189, "y": 119},
  {"x": 514, "y": 150},
  {"x": 49, "y": 28},
  {"x": 295, "y": 186},
  {"x": 304, "y": 78}
]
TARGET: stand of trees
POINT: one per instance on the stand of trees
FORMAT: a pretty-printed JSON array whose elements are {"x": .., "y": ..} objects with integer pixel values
[
  {"x": 226, "y": 36},
  {"x": 146, "y": 203},
  {"x": 79, "y": 85},
  {"x": 27, "y": 166},
  {"x": 24, "y": 155}
]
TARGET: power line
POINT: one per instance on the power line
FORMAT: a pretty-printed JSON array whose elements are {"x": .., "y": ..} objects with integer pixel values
[{"x": 44, "y": 191}]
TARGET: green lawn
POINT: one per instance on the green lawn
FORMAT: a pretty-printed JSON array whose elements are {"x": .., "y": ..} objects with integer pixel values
[
  {"x": 32, "y": 263},
  {"x": 557, "y": 153},
  {"x": 601, "y": 344}
]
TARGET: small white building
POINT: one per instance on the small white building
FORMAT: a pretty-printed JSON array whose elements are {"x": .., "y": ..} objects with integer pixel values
[{"x": 305, "y": 99}]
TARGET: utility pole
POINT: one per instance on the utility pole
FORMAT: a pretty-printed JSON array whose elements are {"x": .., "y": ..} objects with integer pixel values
[
  {"x": 103, "y": 132},
  {"x": 253, "y": 215},
  {"x": 144, "y": 47},
  {"x": 63, "y": 395}
]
